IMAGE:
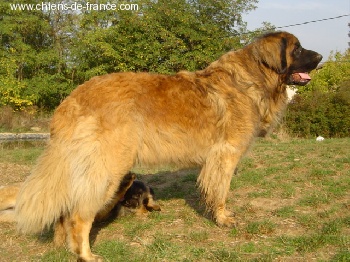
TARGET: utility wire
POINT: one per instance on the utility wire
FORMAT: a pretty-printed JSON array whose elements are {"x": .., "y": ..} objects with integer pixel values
[
  {"x": 286, "y": 26},
  {"x": 314, "y": 21}
]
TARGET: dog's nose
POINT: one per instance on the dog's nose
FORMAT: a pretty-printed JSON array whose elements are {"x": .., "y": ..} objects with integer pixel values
[{"x": 319, "y": 57}]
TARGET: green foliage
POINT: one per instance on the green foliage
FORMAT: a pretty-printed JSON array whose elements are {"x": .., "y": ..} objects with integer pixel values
[
  {"x": 11, "y": 89},
  {"x": 326, "y": 114},
  {"x": 166, "y": 37},
  {"x": 31, "y": 60}
]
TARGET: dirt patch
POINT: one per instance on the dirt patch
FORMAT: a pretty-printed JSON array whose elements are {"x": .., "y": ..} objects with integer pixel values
[
  {"x": 270, "y": 204},
  {"x": 13, "y": 173}
]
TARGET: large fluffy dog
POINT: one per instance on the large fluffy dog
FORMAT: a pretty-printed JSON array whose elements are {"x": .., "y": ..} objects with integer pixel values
[{"x": 114, "y": 122}]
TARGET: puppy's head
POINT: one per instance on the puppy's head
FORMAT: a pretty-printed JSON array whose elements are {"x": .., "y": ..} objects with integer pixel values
[{"x": 140, "y": 196}]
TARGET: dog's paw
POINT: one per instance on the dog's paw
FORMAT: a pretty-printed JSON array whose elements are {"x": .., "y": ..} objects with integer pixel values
[
  {"x": 93, "y": 258},
  {"x": 229, "y": 213},
  {"x": 225, "y": 218},
  {"x": 226, "y": 221}
]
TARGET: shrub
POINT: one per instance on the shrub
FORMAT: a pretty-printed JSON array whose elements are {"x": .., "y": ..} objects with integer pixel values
[{"x": 327, "y": 114}]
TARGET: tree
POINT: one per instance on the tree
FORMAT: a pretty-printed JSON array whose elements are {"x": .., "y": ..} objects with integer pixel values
[
  {"x": 11, "y": 89},
  {"x": 21, "y": 38},
  {"x": 165, "y": 37},
  {"x": 31, "y": 47}
]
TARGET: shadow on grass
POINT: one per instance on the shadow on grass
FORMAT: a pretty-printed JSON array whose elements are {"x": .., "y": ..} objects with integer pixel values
[
  {"x": 167, "y": 185},
  {"x": 180, "y": 184}
]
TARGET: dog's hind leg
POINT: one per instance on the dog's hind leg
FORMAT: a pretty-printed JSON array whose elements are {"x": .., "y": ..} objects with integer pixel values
[
  {"x": 60, "y": 232},
  {"x": 78, "y": 231},
  {"x": 214, "y": 181},
  {"x": 78, "y": 228}
]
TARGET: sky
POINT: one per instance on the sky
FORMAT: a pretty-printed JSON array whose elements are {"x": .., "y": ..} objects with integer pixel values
[{"x": 323, "y": 37}]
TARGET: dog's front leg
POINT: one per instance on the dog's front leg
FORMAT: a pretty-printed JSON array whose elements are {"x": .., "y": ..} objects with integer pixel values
[{"x": 215, "y": 178}]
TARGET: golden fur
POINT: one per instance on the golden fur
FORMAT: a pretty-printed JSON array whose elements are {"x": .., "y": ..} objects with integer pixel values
[{"x": 114, "y": 122}]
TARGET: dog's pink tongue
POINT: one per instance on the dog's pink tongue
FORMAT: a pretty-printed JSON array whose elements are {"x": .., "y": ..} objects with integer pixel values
[
  {"x": 304, "y": 76},
  {"x": 301, "y": 78}
]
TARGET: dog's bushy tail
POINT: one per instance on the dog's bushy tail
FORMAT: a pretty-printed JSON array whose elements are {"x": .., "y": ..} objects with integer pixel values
[
  {"x": 43, "y": 197},
  {"x": 68, "y": 179}
]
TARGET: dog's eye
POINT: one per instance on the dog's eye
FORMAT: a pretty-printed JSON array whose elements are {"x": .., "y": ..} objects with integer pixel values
[{"x": 297, "y": 50}]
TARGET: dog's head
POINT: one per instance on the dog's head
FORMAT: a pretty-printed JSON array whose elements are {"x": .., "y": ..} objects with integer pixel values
[
  {"x": 140, "y": 196},
  {"x": 282, "y": 52}
]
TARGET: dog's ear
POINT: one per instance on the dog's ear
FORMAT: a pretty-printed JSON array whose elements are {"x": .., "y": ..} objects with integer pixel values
[
  {"x": 152, "y": 206},
  {"x": 283, "y": 54},
  {"x": 127, "y": 181},
  {"x": 272, "y": 52},
  {"x": 149, "y": 201}
]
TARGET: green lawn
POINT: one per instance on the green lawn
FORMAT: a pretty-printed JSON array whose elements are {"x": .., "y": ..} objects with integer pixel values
[{"x": 291, "y": 200}]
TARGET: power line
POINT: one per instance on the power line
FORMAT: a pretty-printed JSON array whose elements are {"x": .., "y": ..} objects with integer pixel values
[
  {"x": 313, "y": 21},
  {"x": 286, "y": 26}
]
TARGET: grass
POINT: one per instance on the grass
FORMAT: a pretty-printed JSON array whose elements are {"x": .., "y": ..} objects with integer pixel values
[
  {"x": 291, "y": 200},
  {"x": 21, "y": 152}
]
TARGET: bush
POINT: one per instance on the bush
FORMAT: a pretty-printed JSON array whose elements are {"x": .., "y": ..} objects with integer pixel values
[
  {"x": 30, "y": 119},
  {"x": 326, "y": 114}
]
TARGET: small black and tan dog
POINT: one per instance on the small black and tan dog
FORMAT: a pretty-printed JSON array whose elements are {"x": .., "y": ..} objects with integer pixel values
[{"x": 138, "y": 199}]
